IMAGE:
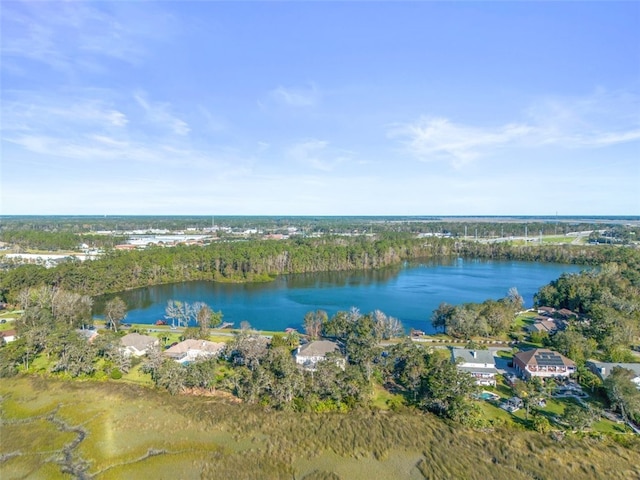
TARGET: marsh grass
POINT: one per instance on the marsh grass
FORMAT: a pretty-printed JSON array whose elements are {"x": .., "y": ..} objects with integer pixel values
[{"x": 135, "y": 432}]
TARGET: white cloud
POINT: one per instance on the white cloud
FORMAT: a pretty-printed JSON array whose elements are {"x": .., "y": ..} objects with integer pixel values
[
  {"x": 599, "y": 120},
  {"x": 432, "y": 139},
  {"x": 159, "y": 114},
  {"x": 296, "y": 96},
  {"x": 78, "y": 36},
  {"x": 27, "y": 111},
  {"x": 317, "y": 154}
]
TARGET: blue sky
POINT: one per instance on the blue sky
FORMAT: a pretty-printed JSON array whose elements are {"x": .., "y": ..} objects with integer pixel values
[{"x": 320, "y": 108}]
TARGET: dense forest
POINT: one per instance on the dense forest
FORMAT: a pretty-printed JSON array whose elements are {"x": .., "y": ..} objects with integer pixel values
[
  {"x": 254, "y": 260},
  {"x": 236, "y": 261},
  {"x": 55, "y": 241}
]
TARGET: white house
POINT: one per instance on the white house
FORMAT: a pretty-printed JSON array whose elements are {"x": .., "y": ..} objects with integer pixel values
[
  {"x": 137, "y": 345},
  {"x": 481, "y": 364},
  {"x": 309, "y": 354},
  {"x": 603, "y": 369},
  {"x": 8, "y": 336},
  {"x": 541, "y": 362},
  {"x": 191, "y": 350}
]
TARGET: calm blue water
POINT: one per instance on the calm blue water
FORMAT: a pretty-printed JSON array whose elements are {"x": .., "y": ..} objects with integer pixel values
[{"x": 409, "y": 293}]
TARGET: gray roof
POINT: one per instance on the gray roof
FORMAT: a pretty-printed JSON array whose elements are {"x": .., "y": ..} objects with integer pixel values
[
  {"x": 137, "y": 341},
  {"x": 603, "y": 369},
  {"x": 473, "y": 356},
  {"x": 545, "y": 325},
  {"x": 319, "y": 348},
  {"x": 204, "y": 346}
]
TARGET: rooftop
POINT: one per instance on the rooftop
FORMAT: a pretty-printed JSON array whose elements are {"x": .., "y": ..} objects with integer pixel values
[
  {"x": 603, "y": 369},
  {"x": 318, "y": 348},
  {"x": 137, "y": 341},
  {"x": 473, "y": 355},
  {"x": 199, "y": 345},
  {"x": 543, "y": 357}
]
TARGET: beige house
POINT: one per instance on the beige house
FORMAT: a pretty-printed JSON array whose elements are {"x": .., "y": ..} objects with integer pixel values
[
  {"x": 191, "y": 350},
  {"x": 137, "y": 345}
]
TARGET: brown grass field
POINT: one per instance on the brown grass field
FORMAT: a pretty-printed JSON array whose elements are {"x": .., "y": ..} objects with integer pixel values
[{"x": 107, "y": 430}]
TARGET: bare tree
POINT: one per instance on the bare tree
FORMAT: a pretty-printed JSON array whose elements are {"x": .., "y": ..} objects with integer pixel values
[
  {"x": 172, "y": 312},
  {"x": 71, "y": 308},
  {"x": 515, "y": 299},
  {"x": 386, "y": 327},
  {"x": 114, "y": 312},
  {"x": 313, "y": 322}
]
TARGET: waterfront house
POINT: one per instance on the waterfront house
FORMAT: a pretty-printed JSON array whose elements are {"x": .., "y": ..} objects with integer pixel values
[
  {"x": 191, "y": 350},
  {"x": 566, "y": 314},
  {"x": 137, "y": 345},
  {"x": 542, "y": 325},
  {"x": 603, "y": 369},
  {"x": 309, "y": 354},
  {"x": 541, "y": 362},
  {"x": 481, "y": 364}
]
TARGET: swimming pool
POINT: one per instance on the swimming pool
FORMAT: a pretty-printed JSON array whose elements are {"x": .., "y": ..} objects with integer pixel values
[{"x": 488, "y": 395}]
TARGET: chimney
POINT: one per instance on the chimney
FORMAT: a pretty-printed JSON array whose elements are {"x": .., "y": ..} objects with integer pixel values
[{"x": 473, "y": 353}]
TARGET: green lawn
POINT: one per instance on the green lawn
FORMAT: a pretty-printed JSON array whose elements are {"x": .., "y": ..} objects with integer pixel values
[
  {"x": 382, "y": 399},
  {"x": 135, "y": 375},
  {"x": 557, "y": 239},
  {"x": 524, "y": 319}
]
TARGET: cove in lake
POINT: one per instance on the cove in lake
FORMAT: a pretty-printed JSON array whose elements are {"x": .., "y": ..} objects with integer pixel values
[{"x": 409, "y": 292}]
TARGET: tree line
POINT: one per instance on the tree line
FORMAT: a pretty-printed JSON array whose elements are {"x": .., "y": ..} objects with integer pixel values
[
  {"x": 55, "y": 240},
  {"x": 262, "y": 260},
  {"x": 238, "y": 261},
  {"x": 253, "y": 368},
  {"x": 489, "y": 318}
]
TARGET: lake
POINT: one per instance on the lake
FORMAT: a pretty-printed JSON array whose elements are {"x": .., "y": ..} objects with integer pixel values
[{"x": 409, "y": 292}]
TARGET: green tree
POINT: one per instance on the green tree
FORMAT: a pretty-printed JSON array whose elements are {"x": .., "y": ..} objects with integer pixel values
[
  {"x": 498, "y": 316},
  {"x": 622, "y": 393},
  {"x": 444, "y": 389},
  {"x": 579, "y": 417},
  {"x": 75, "y": 354},
  {"x": 441, "y": 316},
  {"x": 587, "y": 378},
  {"x": 170, "y": 376},
  {"x": 407, "y": 366}
]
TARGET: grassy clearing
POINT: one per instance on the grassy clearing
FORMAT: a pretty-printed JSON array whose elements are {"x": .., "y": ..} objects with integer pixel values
[
  {"x": 524, "y": 319},
  {"x": 384, "y": 400},
  {"x": 555, "y": 239},
  {"x": 134, "y": 432}
]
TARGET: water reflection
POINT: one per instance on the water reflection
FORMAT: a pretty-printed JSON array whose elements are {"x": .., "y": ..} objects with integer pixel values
[{"x": 409, "y": 292}]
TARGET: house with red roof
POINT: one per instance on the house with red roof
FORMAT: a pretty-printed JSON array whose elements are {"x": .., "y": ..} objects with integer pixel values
[{"x": 541, "y": 362}]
